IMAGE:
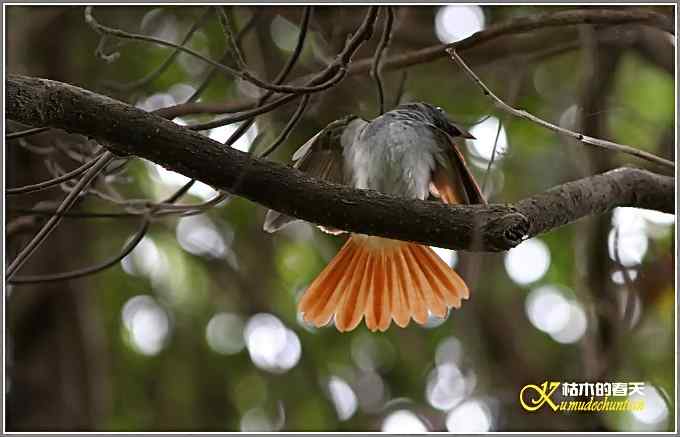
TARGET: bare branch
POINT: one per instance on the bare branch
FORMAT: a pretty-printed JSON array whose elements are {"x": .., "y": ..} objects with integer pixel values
[
  {"x": 130, "y": 131},
  {"x": 592, "y": 15},
  {"x": 288, "y": 128},
  {"x": 477, "y": 46},
  {"x": 42, "y": 211},
  {"x": 90, "y": 270},
  {"x": 52, "y": 223},
  {"x": 603, "y": 144},
  {"x": 283, "y": 74},
  {"x": 211, "y": 74},
  {"x": 147, "y": 215},
  {"x": 568, "y": 18},
  {"x": 376, "y": 68},
  {"x": 52, "y": 182},
  {"x": 153, "y": 75},
  {"x": 232, "y": 43},
  {"x": 25, "y": 133},
  {"x": 331, "y": 75},
  {"x": 338, "y": 69}
]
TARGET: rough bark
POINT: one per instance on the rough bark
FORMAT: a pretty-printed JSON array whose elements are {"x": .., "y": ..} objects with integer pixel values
[{"x": 127, "y": 130}]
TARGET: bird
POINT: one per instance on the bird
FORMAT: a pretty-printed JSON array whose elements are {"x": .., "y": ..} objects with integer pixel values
[{"x": 411, "y": 151}]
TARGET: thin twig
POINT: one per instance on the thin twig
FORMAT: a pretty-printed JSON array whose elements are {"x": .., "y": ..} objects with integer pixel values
[
  {"x": 363, "y": 33},
  {"x": 493, "y": 155},
  {"x": 114, "y": 170},
  {"x": 52, "y": 223},
  {"x": 434, "y": 52},
  {"x": 631, "y": 295},
  {"x": 603, "y": 144},
  {"x": 289, "y": 127},
  {"x": 25, "y": 133},
  {"x": 38, "y": 150},
  {"x": 73, "y": 214},
  {"x": 130, "y": 245},
  {"x": 90, "y": 270},
  {"x": 263, "y": 109},
  {"x": 376, "y": 68},
  {"x": 329, "y": 75},
  {"x": 125, "y": 87},
  {"x": 213, "y": 70},
  {"x": 514, "y": 90},
  {"x": 401, "y": 89},
  {"x": 52, "y": 182},
  {"x": 181, "y": 192},
  {"x": 99, "y": 51},
  {"x": 228, "y": 29},
  {"x": 164, "y": 208},
  {"x": 283, "y": 74},
  {"x": 302, "y": 36}
]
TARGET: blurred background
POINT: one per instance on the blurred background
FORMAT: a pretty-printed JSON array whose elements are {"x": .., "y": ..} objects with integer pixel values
[{"x": 197, "y": 330}]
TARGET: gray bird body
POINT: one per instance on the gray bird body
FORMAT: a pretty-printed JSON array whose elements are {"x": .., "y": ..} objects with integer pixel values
[
  {"x": 397, "y": 153},
  {"x": 394, "y": 154}
]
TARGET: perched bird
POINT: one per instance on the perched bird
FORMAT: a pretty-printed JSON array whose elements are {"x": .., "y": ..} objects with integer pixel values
[{"x": 412, "y": 152}]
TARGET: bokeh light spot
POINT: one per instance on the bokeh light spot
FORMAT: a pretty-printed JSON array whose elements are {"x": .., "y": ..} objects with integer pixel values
[
  {"x": 547, "y": 309},
  {"x": 224, "y": 333},
  {"x": 449, "y": 256},
  {"x": 284, "y": 33},
  {"x": 271, "y": 345},
  {"x": 199, "y": 236},
  {"x": 575, "y": 327},
  {"x": 628, "y": 241},
  {"x": 655, "y": 412},
  {"x": 147, "y": 324},
  {"x": 528, "y": 262},
  {"x": 403, "y": 422},
  {"x": 485, "y": 134},
  {"x": 550, "y": 311},
  {"x": 343, "y": 397},
  {"x": 256, "y": 420},
  {"x": 453, "y": 23},
  {"x": 470, "y": 417},
  {"x": 445, "y": 387}
]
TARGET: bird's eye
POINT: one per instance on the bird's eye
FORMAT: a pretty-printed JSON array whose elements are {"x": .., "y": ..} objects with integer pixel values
[{"x": 440, "y": 109}]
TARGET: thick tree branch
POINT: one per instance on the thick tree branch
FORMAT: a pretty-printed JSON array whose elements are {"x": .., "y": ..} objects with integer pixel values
[
  {"x": 568, "y": 18},
  {"x": 127, "y": 130}
]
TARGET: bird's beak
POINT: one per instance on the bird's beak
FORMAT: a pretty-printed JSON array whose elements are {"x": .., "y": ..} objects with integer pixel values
[{"x": 466, "y": 134}]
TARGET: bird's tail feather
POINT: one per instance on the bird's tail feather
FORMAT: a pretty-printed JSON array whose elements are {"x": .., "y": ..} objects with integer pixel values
[{"x": 382, "y": 280}]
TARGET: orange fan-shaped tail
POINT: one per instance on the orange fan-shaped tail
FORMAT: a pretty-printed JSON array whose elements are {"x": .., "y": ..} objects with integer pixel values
[{"x": 382, "y": 280}]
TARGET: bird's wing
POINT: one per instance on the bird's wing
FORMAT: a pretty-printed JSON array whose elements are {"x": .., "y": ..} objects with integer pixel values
[
  {"x": 452, "y": 181},
  {"x": 321, "y": 157}
]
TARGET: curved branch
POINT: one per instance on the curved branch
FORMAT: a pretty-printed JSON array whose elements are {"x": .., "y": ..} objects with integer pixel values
[
  {"x": 480, "y": 48},
  {"x": 163, "y": 67},
  {"x": 130, "y": 245},
  {"x": 376, "y": 68},
  {"x": 25, "y": 133},
  {"x": 127, "y": 130},
  {"x": 23, "y": 256},
  {"x": 568, "y": 18},
  {"x": 52, "y": 182},
  {"x": 585, "y": 139},
  {"x": 332, "y": 74}
]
